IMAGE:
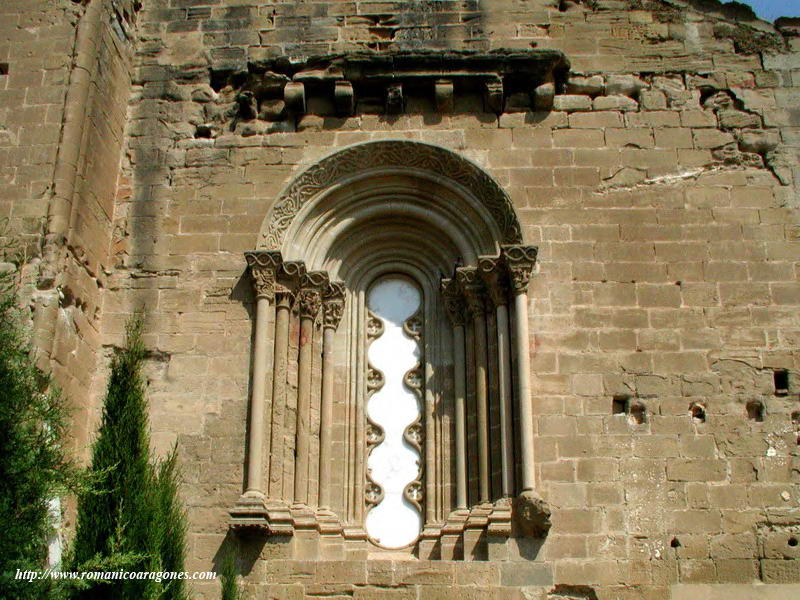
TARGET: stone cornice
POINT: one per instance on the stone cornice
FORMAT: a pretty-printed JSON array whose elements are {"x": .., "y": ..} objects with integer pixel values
[{"x": 497, "y": 74}]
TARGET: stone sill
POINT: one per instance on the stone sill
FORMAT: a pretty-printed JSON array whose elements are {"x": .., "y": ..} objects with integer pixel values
[{"x": 466, "y": 534}]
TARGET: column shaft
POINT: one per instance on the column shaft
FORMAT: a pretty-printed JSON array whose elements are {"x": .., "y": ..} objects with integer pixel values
[
  {"x": 255, "y": 467},
  {"x": 481, "y": 392},
  {"x": 506, "y": 427},
  {"x": 282, "y": 314},
  {"x": 524, "y": 390},
  {"x": 303, "y": 409},
  {"x": 471, "y": 416},
  {"x": 429, "y": 475},
  {"x": 461, "y": 423},
  {"x": 326, "y": 419},
  {"x": 332, "y": 310}
]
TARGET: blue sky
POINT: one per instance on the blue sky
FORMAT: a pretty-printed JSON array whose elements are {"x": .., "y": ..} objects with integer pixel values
[{"x": 769, "y": 10}]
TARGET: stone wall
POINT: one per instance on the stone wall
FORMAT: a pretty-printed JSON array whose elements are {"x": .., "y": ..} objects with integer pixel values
[
  {"x": 64, "y": 103},
  {"x": 36, "y": 41},
  {"x": 661, "y": 186}
]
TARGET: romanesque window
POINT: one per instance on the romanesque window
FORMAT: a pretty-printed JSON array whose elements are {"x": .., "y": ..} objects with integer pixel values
[{"x": 390, "y": 398}]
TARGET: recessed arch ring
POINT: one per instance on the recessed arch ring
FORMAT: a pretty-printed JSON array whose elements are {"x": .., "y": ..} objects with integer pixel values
[{"x": 401, "y": 154}]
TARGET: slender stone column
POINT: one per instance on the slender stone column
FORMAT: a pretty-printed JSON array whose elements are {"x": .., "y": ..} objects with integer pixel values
[
  {"x": 310, "y": 301},
  {"x": 263, "y": 266},
  {"x": 490, "y": 269},
  {"x": 285, "y": 292},
  {"x": 520, "y": 261},
  {"x": 332, "y": 310},
  {"x": 474, "y": 293},
  {"x": 470, "y": 417},
  {"x": 454, "y": 305}
]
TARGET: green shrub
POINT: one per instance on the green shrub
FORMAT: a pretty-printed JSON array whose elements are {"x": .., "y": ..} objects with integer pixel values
[{"x": 33, "y": 465}]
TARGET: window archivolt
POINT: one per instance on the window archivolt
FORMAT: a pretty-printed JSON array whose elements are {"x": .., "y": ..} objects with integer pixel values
[{"x": 341, "y": 441}]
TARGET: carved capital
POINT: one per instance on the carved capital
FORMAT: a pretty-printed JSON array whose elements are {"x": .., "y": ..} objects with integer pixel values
[
  {"x": 492, "y": 273},
  {"x": 288, "y": 282},
  {"x": 520, "y": 261},
  {"x": 453, "y": 302},
  {"x": 312, "y": 285},
  {"x": 471, "y": 285},
  {"x": 333, "y": 304},
  {"x": 264, "y": 267},
  {"x": 309, "y": 301}
]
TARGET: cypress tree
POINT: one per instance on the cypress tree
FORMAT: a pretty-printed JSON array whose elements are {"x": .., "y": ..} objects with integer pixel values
[
  {"x": 137, "y": 511},
  {"x": 33, "y": 466},
  {"x": 227, "y": 575},
  {"x": 171, "y": 527}
]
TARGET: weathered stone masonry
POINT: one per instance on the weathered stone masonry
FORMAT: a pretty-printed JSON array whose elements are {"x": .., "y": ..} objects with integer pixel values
[{"x": 650, "y": 152}]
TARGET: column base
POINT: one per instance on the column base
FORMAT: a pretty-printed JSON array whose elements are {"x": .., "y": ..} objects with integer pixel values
[{"x": 252, "y": 512}]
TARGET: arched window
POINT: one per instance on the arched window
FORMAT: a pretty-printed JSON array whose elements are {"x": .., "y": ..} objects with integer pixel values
[{"x": 390, "y": 398}]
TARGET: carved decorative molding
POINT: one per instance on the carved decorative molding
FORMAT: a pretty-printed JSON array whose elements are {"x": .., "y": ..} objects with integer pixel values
[
  {"x": 333, "y": 304},
  {"x": 413, "y": 325},
  {"x": 374, "y": 326},
  {"x": 473, "y": 290},
  {"x": 264, "y": 266},
  {"x": 414, "y": 380},
  {"x": 453, "y": 302},
  {"x": 288, "y": 282},
  {"x": 533, "y": 514},
  {"x": 400, "y": 154},
  {"x": 520, "y": 261},
  {"x": 309, "y": 301},
  {"x": 493, "y": 273}
]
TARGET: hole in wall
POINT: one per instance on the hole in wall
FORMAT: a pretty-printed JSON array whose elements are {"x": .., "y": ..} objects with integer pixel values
[
  {"x": 698, "y": 412},
  {"x": 619, "y": 404},
  {"x": 675, "y": 543},
  {"x": 3, "y": 68},
  {"x": 792, "y": 541},
  {"x": 218, "y": 79},
  {"x": 781, "y": 379},
  {"x": 637, "y": 413},
  {"x": 796, "y": 417},
  {"x": 203, "y": 131},
  {"x": 755, "y": 410},
  {"x": 565, "y": 5}
]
